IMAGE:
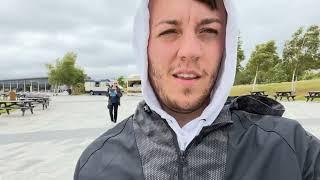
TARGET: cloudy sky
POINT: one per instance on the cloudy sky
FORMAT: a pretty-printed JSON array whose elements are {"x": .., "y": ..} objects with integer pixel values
[{"x": 36, "y": 32}]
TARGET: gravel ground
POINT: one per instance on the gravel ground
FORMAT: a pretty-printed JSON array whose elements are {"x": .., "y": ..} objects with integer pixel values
[{"x": 47, "y": 144}]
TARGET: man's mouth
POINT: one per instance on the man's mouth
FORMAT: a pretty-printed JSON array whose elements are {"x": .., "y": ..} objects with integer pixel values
[{"x": 187, "y": 75}]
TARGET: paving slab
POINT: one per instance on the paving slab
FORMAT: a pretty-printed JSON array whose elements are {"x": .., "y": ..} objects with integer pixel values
[{"x": 47, "y": 144}]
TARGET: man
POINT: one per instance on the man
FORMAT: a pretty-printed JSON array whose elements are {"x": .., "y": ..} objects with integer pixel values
[
  {"x": 114, "y": 94},
  {"x": 183, "y": 129}
]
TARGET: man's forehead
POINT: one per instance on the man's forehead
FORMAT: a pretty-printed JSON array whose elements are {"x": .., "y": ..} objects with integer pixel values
[
  {"x": 171, "y": 12},
  {"x": 212, "y": 4}
]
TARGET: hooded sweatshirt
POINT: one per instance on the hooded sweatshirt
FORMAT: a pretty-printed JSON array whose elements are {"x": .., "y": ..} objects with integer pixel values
[
  {"x": 220, "y": 90},
  {"x": 246, "y": 139}
]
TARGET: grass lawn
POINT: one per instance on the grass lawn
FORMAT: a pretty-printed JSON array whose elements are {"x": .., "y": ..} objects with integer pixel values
[{"x": 302, "y": 88}]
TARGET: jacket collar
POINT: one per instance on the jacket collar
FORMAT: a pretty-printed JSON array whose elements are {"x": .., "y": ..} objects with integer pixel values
[
  {"x": 151, "y": 122},
  {"x": 257, "y": 105}
]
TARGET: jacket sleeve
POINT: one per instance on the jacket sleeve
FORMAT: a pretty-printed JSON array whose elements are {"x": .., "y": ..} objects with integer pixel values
[
  {"x": 113, "y": 156},
  {"x": 119, "y": 93},
  {"x": 107, "y": 94},
  {"x": 305, "y": 146},
  {"x": 311, "y": 169},
  {"x": 307, "y": 149},
  {"x": 76, "y": 171}
]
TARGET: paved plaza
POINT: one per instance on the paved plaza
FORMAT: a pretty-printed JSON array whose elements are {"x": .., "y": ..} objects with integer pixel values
[{"x": 47, "y": 144}]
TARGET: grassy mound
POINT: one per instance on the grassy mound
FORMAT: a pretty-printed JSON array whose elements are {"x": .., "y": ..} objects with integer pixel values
[{"x": 302, "y": 88}]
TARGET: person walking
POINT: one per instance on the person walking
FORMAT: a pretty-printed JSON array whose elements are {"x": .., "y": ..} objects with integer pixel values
[{"x": 114, "y": 94}]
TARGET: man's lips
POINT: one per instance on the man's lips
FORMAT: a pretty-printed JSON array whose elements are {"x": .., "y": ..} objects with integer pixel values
[{"x": 186, "y": 74}]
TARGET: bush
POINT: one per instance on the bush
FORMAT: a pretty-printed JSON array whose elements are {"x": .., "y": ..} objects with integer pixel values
[
  {"x": 242, "y": 77},
  {"x": 78, "y": 89},
  {"x": 308, "y": 75}
]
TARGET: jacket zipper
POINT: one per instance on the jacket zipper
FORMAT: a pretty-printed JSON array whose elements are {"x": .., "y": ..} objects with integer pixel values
[
  {"x": 182, "y": 163},
  {"x": 182, "y": 155}
]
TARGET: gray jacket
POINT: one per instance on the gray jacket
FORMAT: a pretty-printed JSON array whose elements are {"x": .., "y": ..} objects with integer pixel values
[{"x": 248, "y": 141}]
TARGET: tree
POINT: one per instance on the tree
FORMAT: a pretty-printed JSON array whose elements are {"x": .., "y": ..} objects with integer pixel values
[
  {"x": 122, "y": 82},
  {"x": 65, "y": 72},
  {"x": 302, "y": 52},
  {"x": 240, "y": 54},
  {"x": 261, "y": 62},
  {"x": 240, "y": 58}
]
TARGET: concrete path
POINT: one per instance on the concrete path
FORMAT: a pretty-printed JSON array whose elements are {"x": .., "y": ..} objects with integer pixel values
[{"x": 46, "y": 145}]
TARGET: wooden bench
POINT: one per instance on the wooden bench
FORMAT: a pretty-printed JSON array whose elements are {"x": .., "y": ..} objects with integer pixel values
[
  {"x": 312, "y": 95},
  {"x": 23, "y": 109},
  {"x": 288, "y": 97},
  {"x": 286, "y": 94},
  {"x": 40, "y": 100},
  {"x": 43, "y": 102},
  {"x": 258, "y": 93},
  {"x": 17, "y": 104}
]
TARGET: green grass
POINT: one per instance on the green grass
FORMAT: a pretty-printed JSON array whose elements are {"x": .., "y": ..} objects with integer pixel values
[{"x": 302, "y": 88}]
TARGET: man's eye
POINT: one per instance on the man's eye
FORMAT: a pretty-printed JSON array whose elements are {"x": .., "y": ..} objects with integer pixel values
[
  {"x": 209, "y": 30},
  {"x": 169, "y": 31}
]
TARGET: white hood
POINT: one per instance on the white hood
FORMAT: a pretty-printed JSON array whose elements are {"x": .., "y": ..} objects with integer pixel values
[{"x": 224, "y": 80}]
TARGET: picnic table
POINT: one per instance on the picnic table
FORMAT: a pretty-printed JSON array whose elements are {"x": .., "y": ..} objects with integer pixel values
[
  {"x": 312, "y": 95},
  {"x": 286, "y": 94},
  {"x": 41, "y": 100},
  {"x": 258, "y": 93},
  {"x": 8, "y": 105},
  {"x": 3, "y": 95}
]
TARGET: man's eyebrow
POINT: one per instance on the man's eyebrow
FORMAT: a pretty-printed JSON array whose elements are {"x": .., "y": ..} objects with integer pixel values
[
  {"x": 202, "y": 22},
  {"x": 209, "y": 21},
  {"x": 170, "y": 22}
]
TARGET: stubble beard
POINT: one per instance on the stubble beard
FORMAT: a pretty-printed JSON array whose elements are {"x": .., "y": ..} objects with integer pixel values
[{"x": 202, "y": 98}]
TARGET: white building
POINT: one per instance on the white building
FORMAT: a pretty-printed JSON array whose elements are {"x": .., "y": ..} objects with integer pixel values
[
  {"x": 134, "y": 84},
  {"x": 40, "y": 84}
]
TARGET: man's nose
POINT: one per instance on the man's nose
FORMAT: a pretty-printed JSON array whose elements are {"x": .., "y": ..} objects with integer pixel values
[{"x": 190, "y": 47}]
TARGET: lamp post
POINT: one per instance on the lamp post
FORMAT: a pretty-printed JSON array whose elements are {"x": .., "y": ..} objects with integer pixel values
[{"x": 31, "y": 88}]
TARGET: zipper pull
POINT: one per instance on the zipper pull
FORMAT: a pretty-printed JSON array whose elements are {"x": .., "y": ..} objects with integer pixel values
[{"x": 183, "y": 158}]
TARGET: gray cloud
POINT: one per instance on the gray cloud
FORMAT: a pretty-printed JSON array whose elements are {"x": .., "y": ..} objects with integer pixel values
[
  {"x": 261, "y": 21},
  {"x": 33, "y": 33}
]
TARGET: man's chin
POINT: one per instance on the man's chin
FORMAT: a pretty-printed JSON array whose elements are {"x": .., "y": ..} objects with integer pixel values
[
  {"x": 183, "y": 107},
  {"x": 184, "y": 110}
]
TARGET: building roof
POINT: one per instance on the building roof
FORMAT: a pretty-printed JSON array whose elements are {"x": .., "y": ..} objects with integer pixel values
[
  {"x": 134, "y": 77},
  {"x": 22, "y": 79},
  {"x": 103, "y": 80}
]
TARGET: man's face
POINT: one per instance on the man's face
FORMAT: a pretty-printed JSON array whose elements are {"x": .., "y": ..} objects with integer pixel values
[{"x": 186, "y": 45}]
